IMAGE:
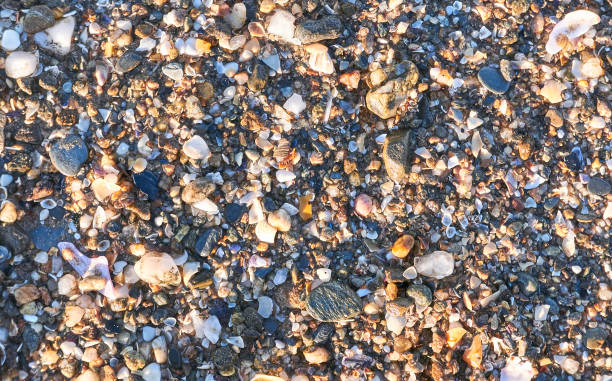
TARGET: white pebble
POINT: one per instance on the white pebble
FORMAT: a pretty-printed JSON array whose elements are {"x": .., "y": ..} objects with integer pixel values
[
  {"x": 324, "y": 274},
  {"x": 295, "y": 104},
  {"x": 148, "y": 333},
  {"x": 196, "y": 148},
  {"x": 284, "y": 176},
  {"x": 151, "y": 372},
  {"x": 541, "y": 312},
  {"x": 10, "y": 40},
  {"x": 265, "y": 232},
  {"x": 20, "y": 64},
  {"x": 265, "y": 306},
  {"x": 282, "y": 24}
]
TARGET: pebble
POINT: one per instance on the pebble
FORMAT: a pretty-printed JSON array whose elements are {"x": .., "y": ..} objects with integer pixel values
[
  {"x": 8, "y": 212},
  {"x": 517, "y": 370},
  {"x": 151, "y": 372},
  {"x": 265, "y": 232},
  {"x": 128, "y": 62},
  {"x": 282, "y": 24},
  {"x": 207, "y": 241},
  {"x": 402, "y": 246},
  {"x": 68, "y": 155},
  {"x": 237, "y": 16},
  {"x": 540, "y": 312},
  {"x": 552, "y": 91},
  {"x": 265, "y": 306},
  {"x": 333, "y": 302},
  {"x": 295, "y": 104},
  {"x": 319, "y": 59},
  {"x": 233, "y": 212},
  {"x": 438, "y": 264},
  {"x": 20, "y": 64},
  {"x": 223, "y": 358},
  {"x": 173, "y": 71},
  {"x": 197, "y": 190},
  {"x": 92, "y": 283},
  {"x": 258, "y": 78},
  {"x": 148, "y": 333},
  {"x": 196, "y": 148},
  {"x": 420, "y": 293},
  {"x": 67, "y": 285},
  {"x": 396, "y": 151},
  {"x": 493, "y": 80},
  {"x": 326, "y": 28},
  {"x": 280, "y": 220},
  {"x": 284, "y": 176},
  {"x": 598, "y": 186},
  {"x": 527, "y": 283},
  {"x": 317, "y": 355},
  {"x": 38, "y": 18},
  {"x": 363, "y": 205},
  {"x": 147, "y": 183},
  {"x": 10, "y": 40},
  {"x": 158, "y": 269},
  {"x": 26, "y": 294}
]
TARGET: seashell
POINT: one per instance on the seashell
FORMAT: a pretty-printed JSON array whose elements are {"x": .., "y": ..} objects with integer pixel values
[
  {"x": 568, "y": 30},
  {"x": 48, "y": 203}
]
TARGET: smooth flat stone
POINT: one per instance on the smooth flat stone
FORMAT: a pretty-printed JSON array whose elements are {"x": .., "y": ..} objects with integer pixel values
[
  {"x": 599, "y": 186},
  {"x": 493, "y": 80}
]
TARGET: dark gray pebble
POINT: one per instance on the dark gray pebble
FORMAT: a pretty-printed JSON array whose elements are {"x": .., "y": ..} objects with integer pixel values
[
  {"x": 493, "y": 80},
  {"x": 68, "y": 155}
]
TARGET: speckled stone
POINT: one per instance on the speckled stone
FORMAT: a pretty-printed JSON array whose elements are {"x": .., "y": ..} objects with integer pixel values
[
  {"x": 420, "y": 293},
  {"x": 68, "y": 155},
  {"x": 326, "y": 28},
  {"x": 333, "y": 302}
]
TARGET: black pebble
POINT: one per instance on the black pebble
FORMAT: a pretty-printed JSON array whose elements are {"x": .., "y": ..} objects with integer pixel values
[{"x": 147, "y": 181}]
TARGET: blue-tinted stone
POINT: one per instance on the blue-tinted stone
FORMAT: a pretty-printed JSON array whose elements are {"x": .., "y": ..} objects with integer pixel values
[
  {"x": 233, "y": 212},
  {"x": 263, "y": 271},
  {"x": 271, "y": 325},
  {"x": 575, "y": 160},
  {"x": 493, "y": 80},
  {"x": 45, "y": 237},
  {"x": 207, "y": 241}
]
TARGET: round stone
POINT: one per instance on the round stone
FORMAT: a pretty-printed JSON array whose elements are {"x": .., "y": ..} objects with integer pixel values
[
  {"x": 333, "y": 302},
  {"x": 68, "y": 155},
  {"x": 493, "y": 80},
  {"x": 420, "y": 293},
  {"x": 10, "y": 40},
  {"x": 20, "y": 64},
  {"x": 599, "y": 186}
]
